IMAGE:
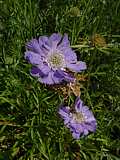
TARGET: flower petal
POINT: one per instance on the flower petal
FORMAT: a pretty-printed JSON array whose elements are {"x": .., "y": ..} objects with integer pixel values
[
  {"x": 68, "y": 77},
  {"x": 55, "y": 38},
  {"x": 70, "y": 56},
  {"x": 36, "y": 72},
  {"x": 91, "y": 126},
  {"x": 33, "y": 45},
  {"x": 65, "y": 76},
  {"x": 90, "y": 119},
  {"x": 47, "y": 79},
  {"x": 88, "y": 114},
  {"x": 85, "y": 132},
  {"x": 32, "y": 57},
  {"x": 64, "y": 112},
  {"x": 78, "y": 104},
  {"x": 45, "y": 43},
  {"x": 44, "y": 68},
  {"x": 50, "y": 79},
  {"x": 76, "y": 135},
  {"x": 77, "y": 67},
  {"x": 65, "y": 43},
  {"x": 57, "y": 80}
]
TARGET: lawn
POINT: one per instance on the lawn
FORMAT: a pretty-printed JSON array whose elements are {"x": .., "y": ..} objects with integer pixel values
[{"x": 30, "y": 126}]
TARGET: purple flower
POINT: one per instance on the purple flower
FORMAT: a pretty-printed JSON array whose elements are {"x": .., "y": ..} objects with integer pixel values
[
  {"x": 81, "y": 121},
  {"x": 50, "y": 56}
]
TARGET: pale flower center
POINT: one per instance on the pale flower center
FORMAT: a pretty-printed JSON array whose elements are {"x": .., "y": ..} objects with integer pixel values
[
  {"x": 56, "y": 60},
  {"x": 78, "y": 117}
]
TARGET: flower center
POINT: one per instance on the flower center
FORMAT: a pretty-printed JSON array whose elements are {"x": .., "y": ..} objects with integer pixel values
[
  {"x": 56, "y": 60},
  {"x": 78, "y": 117}
]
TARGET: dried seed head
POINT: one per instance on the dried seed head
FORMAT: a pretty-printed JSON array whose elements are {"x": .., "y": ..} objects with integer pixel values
[
  {"x": 74, "y": 12},
  {"x": 98, "y": 40}
]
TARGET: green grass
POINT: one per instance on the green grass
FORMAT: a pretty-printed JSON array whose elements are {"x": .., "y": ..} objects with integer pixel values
[{"x": 30, "y": 128}]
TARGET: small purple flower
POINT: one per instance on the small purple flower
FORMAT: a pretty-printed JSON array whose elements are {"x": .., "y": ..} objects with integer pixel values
[
  {"x": 81, "y": 121},
  {"x": 50, "y": 56}
]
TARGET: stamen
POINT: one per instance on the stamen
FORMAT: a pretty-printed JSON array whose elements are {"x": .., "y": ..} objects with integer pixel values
[
  {"x": 78, "y": 117},
  {"x": 56, "y": 60}
]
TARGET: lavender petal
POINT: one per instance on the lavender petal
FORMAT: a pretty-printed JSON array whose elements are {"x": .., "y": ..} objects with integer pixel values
[
  {"x": 32, "y": 57},
  {"x": 33, "y": 45},
  {"x": 77, "y": 67}
]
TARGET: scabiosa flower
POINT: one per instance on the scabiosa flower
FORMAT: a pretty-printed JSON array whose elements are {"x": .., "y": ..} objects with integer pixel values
[
  {"x": 81, "y": 121},
  {"x": 50, "y": 56}
]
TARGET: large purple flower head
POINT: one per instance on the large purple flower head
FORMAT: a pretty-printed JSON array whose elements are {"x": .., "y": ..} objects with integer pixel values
[
  {"x": 81, "y": 121},
  {"x": 50, "y": 57}
]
